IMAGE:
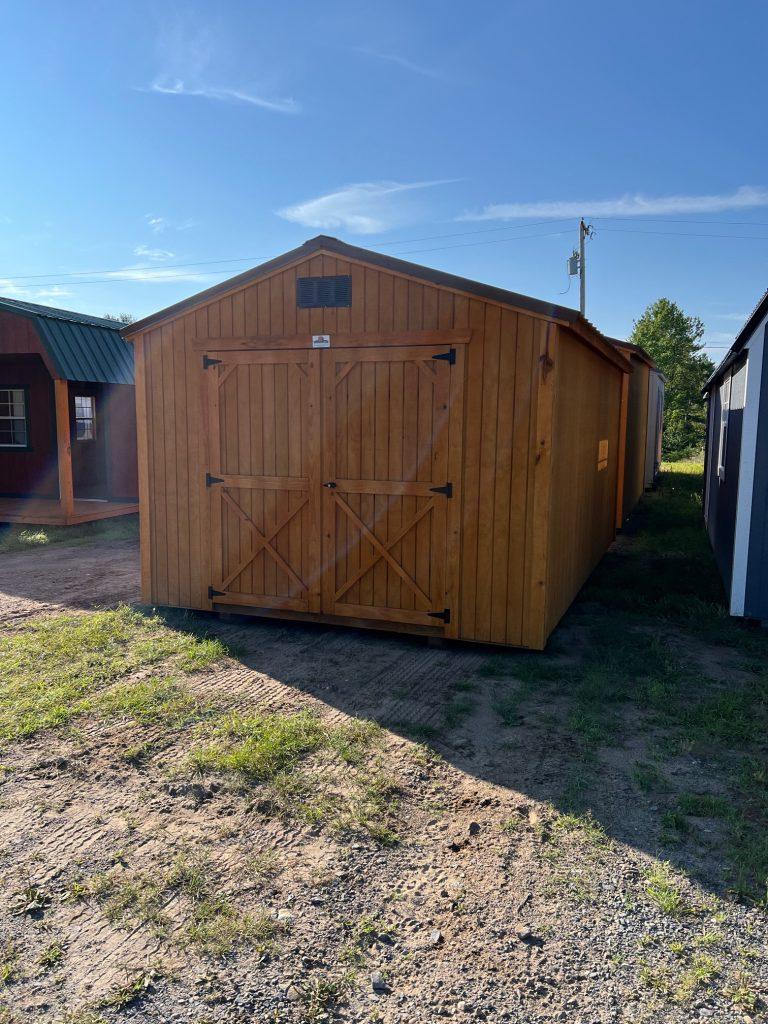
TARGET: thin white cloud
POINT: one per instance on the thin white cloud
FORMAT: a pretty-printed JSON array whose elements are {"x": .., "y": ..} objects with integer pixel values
[
  {"x": 403, "y": 62},
  {"x": 158, "y": 225},
  {"x": 745, "y": 197},
  {"x": 154, "y": 274},
  {"x": 178, "y": 87},
  {"x": 365, "y": 208},
  {"x": 717, "y": 336},
  {"x": 11, "y": 290},
  {"x": 739, "y": 318},
  {"x": 148, "y": 253}
]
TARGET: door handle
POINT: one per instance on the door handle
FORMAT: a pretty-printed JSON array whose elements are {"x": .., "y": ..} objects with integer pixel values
[{"x": 330, "y": 483}]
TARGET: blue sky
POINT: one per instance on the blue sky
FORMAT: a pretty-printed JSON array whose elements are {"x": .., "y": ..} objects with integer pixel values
[{"x": 141, "y": 138}]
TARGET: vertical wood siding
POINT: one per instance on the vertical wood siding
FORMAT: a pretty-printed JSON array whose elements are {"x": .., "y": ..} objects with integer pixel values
[
  {"x": 637, "y": 434},
  {"x": 583, "y": 496},
  {"x": 497, "y": 491}
]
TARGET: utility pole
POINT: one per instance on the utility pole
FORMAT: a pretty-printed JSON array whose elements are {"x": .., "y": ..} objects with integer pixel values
[{"x": 585, "y": 232}]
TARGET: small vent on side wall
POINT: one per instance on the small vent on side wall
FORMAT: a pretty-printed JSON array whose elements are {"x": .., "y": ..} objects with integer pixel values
[{"x": 323, "y": 292}]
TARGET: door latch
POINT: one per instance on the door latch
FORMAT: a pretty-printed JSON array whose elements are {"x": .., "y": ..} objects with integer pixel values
[{"x": 331, "y": 484}]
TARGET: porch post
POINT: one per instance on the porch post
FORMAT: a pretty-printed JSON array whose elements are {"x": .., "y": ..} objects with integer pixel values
[
  {"x": 622, "y": 453},
  {"x": 64, "y": 444}
]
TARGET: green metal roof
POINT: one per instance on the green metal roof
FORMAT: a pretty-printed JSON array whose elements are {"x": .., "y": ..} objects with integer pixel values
[{"x": 81, "y": 347}]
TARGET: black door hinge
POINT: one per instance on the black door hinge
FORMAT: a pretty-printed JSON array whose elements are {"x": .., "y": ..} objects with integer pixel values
[
  {"x": 445, "y": 615},
  {"x": 449, "y": 356},
  {"x": 207, "y": 361},
  {"x": 213, "y": 479},
  {"x": 447, "y": 490},
  {"x": 213, "y": 592}
]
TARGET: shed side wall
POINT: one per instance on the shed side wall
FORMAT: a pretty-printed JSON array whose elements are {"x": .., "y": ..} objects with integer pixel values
[
  {"x": 31, "y": 472},
  {"x": 637, "y": 435},
  {"x": 756, "y": 589},
  {"x": 582, "y": 497},
  {"x": 499, "y": 428}
]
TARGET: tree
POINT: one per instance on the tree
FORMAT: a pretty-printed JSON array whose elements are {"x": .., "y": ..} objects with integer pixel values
[
  {"x": 671, "y": 339},
  {"x": 121, "y": 318}
]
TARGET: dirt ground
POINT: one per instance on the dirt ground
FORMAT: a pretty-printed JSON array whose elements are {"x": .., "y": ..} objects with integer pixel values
[{"x": 493, "y": 905}]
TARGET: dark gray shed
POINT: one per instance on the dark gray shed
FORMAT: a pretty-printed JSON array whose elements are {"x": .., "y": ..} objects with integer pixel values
[{"x": 736, "y": 468}]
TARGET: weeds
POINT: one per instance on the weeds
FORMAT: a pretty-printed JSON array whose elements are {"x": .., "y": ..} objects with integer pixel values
[
  {"x": 9, "y": 964},
  {"x": 663, "y": 891},
  {"x": 132, "y": 991},
  {"x": 52, "y": 956}
]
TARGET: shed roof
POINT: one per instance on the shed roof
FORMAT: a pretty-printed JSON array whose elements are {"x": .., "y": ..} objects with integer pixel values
[
  {"x": 80, "y": 347},
  {"x": 757, "y": 314},
  {"x": 328, "y": 244},
  {"x": 635, "y": 350}
]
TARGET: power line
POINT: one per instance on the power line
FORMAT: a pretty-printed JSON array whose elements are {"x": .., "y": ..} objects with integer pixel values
[
  {"x": 118, "y": 271},
  {"x": 673, "y": 220},
  {"x": 157, "y": 274},
  {"x": 486, "y": 241},
  {"x": 692, "y": 234}
]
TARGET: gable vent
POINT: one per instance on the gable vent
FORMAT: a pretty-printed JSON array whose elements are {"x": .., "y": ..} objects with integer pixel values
[{"x": 318, "y": 292}]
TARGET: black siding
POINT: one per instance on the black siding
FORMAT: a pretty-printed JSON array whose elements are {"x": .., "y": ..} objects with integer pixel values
[
  {"x": 724, "y": 494},
  {"x": 756, "y": 596}
]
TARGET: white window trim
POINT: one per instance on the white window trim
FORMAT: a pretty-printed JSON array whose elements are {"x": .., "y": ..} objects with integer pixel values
[
  {"x": 747, "y": 456},
  {"x": 24, "y": 418}
]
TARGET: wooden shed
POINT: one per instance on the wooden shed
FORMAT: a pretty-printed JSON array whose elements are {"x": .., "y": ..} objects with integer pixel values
[
  {"x": 67, "y": 417},
  {"x": 645, "y": 417},
  {"x": 342, "y": 436}
]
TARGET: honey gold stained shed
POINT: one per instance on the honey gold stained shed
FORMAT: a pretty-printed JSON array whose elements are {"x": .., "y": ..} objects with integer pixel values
[{"x": 434, "y": 470}]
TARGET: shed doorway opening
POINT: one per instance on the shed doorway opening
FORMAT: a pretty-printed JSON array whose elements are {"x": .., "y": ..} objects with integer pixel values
[{"x": 89, "y": 461}]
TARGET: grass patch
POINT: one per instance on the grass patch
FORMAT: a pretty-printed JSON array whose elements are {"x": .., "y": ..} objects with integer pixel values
[
  {"x": 259, "y": 747},
  {"x": 9, "y": 965},
  {"x": 52, "y": 956},
  {"x": 212, "y": 924},
  {"x": 139, "y": 985},
  {"x": 320, "y": 995},
  {"x": 704, "y": 805},
  {"x": 151, "y": 702},
  {"x": 55, "y": 669},
  {"x": 280, "y": 752},
  {"x": 664, "y": 892},
  {"x": 25, "y": 538},
  {"x": 648, "y": 778}
]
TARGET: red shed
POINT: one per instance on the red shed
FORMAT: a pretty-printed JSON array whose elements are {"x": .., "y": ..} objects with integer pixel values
[{"x": 67, "y": 417}]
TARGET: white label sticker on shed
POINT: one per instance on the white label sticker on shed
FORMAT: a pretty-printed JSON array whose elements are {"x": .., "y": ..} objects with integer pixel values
[{"x": 321, "y": 341}]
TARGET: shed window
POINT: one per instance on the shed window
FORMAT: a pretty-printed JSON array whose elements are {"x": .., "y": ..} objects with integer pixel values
[
  {"x": 722, "y": 443},
  {"x": 85, "y": 418},
  {"x": 14, "y": 430}
]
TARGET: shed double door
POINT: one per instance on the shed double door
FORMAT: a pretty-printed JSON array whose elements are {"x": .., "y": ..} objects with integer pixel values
[{"x": 329, "y": 481}]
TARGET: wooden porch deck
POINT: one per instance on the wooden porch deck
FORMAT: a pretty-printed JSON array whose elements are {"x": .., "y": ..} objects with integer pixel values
[{"x": 49, "y": 512}]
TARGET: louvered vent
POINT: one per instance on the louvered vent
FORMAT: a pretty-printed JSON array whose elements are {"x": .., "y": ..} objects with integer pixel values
[{"x": 318, "y": 292}]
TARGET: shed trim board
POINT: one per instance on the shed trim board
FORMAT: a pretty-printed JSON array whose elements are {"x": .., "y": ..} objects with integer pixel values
[
  {"x": 413, "y": 472},
  {"x": 747, "y": 461}
]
